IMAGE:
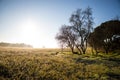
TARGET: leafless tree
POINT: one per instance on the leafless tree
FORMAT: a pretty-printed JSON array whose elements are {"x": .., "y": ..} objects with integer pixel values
[
  {"x": 67, "y": 37},
  {"x": 77, "y": 34},
  {"x": 81, "y": 21}
]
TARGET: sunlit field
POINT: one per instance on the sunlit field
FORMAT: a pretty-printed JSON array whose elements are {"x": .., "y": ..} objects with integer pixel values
[{"x": 51, "y": 64}]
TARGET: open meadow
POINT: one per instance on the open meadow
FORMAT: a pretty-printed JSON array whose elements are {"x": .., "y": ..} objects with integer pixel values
[{"x": 46, "y": 64}]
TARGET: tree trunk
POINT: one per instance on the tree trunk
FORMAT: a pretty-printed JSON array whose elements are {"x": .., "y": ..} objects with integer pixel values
[
  {"x": 106, "y": 48},
  {"x": 92, "y": 50},
  {"x": 79, "y": 49},
  {"x": 96, "y": 51},
  {"x": 84, "y": 51},
  {"x": 106, "y": 51},
  {"x": 72, "y": 49}
]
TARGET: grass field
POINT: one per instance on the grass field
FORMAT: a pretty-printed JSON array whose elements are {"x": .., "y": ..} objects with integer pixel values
[{"x": 45, "y": 64}]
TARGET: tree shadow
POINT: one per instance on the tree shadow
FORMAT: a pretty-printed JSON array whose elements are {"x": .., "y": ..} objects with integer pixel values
[
  {"x": 87, "y": 61},
  {"x": 114, "y": 60},
  {"x": 110, "y": 63},
  {"x": 113, "y": 76},
  {"x": 105, "y": 61}
]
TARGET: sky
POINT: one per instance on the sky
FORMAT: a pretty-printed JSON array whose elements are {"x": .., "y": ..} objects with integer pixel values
[{"x": 36, "y": 22}]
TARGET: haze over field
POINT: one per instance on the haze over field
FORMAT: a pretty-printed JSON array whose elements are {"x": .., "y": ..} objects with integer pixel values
[{"x": 36, "y": 22}]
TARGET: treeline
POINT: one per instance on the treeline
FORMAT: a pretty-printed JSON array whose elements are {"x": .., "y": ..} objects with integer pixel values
[
  {"x": 80, "y": 33},
  {"x": 4, "y": 44}
]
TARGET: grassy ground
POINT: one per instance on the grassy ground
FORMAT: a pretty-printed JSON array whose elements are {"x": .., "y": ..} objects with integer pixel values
[{"x": 45, "y": 64}]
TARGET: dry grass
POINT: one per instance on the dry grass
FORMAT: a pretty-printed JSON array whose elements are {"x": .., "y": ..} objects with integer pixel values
[{"x": 45, "y": 64}]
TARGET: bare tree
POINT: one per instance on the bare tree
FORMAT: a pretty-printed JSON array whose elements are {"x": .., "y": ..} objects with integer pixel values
[
  {"x": 66, "y": 37},
  {"x": 82, "y": 21}
]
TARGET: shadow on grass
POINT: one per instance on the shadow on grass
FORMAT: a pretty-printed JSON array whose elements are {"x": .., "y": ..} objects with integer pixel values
[
  {"x": 110, "y": 62},
  {"x": 4, "y": 71},
  {"x": 113, "y": 76},
  {"x": 86, "y": 61},
  {"x": 114, "y": 60}
]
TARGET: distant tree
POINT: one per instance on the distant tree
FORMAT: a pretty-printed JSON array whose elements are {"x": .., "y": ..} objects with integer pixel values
[
  {"x": 81, "y": 21},
  {"x": 66, "y": 37}
]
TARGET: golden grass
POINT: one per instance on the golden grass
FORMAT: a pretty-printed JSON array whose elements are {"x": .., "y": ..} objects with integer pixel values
[{"x": 44, "y": 64}]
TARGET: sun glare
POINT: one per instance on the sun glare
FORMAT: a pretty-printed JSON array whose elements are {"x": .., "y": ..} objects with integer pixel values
[
  {"x": 29, "y": 32},
  {"x": 33, "y": 32}
]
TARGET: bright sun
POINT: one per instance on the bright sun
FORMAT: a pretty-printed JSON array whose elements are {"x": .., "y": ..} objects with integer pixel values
[
  {"x": 33, "y": 32},
  {"x": 29, "y": 32}
]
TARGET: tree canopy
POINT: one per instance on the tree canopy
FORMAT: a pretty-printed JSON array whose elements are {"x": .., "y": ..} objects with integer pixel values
[{"x": 106, "y": 36}]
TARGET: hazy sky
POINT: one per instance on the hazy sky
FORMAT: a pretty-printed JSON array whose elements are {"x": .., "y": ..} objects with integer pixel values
[{"x": 36, "y": 22}]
